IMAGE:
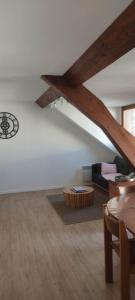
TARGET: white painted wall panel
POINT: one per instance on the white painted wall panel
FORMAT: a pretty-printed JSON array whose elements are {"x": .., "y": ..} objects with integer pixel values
[{"x": 48, "y": 151}]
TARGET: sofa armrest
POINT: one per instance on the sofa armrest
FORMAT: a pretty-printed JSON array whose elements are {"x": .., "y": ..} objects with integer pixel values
[{"x": 96, "y": 168}]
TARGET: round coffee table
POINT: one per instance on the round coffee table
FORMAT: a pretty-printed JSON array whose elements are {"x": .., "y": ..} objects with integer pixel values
[{"x": 79, "y": 200}]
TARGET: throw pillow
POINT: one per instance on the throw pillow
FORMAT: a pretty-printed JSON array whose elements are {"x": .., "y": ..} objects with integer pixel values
[{"x": 108, "y": 168}]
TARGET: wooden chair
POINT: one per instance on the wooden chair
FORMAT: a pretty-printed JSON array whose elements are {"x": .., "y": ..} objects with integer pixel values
[
  {"x": 111, "y": 228},
  {"x": 115, "y": 189},
  {"x": 130, "y": 189},
  {"x": 124, "y": 247},
  {"x": 127, "y": 261}
]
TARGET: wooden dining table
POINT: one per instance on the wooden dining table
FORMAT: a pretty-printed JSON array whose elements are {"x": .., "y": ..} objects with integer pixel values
[{"x": 123, "y": 208}]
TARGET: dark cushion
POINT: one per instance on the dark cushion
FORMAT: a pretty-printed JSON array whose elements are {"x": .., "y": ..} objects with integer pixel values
[
  {"x": 131, "y": 169},
  {"x": 96, "y": 168},
  {"x": 122, "y": 165},
  {"x": 101, "y": 181}
]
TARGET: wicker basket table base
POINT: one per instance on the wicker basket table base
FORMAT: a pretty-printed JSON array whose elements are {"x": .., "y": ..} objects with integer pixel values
[{"x": 79, "y": 200}]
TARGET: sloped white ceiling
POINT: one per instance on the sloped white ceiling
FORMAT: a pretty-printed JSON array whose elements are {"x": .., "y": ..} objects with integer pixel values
[
  {"x": 115, "y": 85},
  {"x": 46, "y": 37}
]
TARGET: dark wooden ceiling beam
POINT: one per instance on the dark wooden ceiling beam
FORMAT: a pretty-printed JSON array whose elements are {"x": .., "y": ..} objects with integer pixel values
[
  {"x": 49, "y": 96},
  {"x": 95, "y": 110},
  {"x": 116, "y": 41}
]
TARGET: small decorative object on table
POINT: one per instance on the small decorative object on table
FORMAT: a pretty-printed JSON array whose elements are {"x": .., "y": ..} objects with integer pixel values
[
  {"x": 130, "y": 177},
  {"x": 121, "y": 178},
  {"x": 78, "y": 189}
]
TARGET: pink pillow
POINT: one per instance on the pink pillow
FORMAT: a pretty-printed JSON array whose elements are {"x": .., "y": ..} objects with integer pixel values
[{"x": 108, "y": 168}]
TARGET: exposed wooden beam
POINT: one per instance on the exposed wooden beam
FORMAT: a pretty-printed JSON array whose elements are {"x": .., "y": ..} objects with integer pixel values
[
  {"x": 95, "y": 110},
  {"x": 49, "y": 96},
  {"x": 116, "y": 41},
  {"x": 128, "y": 107}
]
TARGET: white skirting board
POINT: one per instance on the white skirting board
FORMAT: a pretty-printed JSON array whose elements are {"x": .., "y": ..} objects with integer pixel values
[{"x": 39, "y": 188}]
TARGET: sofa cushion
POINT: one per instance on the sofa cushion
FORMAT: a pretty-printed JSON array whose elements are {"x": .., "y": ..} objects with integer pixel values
[
  {"x": 122, "y": 165},
  {"x": 108, "y": 168},
  {"x": 111, "y": 176}
]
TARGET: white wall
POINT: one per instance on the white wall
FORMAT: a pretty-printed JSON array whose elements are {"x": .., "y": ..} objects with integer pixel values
[
  {"x": 48, "y": 150},
  {"x": 90, "y": 127},
  {"x": 116, "y": 112}
]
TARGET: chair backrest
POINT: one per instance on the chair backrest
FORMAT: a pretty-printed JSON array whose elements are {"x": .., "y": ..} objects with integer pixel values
[
  {"x": 118, "y": 189},
  {"x": 123, "y": 235},
  {"x": 111, "y": 222},
  {"x": 127, "y": 246},
  {"x": 130, "y": 189},
  {"x": 113, "y": 189}
]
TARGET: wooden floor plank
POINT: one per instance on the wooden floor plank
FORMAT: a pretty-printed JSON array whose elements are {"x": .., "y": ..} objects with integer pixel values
[{"x": 43, "y": 259}]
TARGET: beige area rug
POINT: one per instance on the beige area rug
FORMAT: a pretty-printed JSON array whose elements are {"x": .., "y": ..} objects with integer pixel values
[{"x": 72, "y": 215}]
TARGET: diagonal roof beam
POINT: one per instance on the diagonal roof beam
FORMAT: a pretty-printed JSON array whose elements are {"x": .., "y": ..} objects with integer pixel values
[
  {"x": 95, "y": 110},
  {"x": 116, "y": 41},
  {"x": 49, "y": 96}
]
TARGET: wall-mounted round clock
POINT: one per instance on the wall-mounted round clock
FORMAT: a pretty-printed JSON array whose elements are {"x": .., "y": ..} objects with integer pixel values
[{"x": 9, "y": 125}]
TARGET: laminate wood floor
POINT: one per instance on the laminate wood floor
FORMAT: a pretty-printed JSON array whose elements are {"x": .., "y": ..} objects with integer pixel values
[{"x": 43, "y": 259}]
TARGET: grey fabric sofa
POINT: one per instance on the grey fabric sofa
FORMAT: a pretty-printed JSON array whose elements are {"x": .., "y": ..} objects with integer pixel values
[{"x": 123, "y": 167}]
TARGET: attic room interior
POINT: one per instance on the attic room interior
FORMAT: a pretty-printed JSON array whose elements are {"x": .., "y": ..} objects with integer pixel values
[{"x": 67, "y": 136}]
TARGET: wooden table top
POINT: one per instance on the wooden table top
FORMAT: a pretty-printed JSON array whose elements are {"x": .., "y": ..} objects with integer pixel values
[
  {"x": 125, "y": 183},
  {"x": 87, "y": 188},
  {"x": 123, "y": 208}
]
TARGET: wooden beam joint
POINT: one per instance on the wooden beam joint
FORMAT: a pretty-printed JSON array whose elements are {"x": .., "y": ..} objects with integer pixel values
[
  {"x": 95, "y": 110},
  {"x": 49, "y": 96}
]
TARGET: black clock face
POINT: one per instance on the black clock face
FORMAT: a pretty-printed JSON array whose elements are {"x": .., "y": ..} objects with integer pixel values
[{"x": 9, "y": 125}]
